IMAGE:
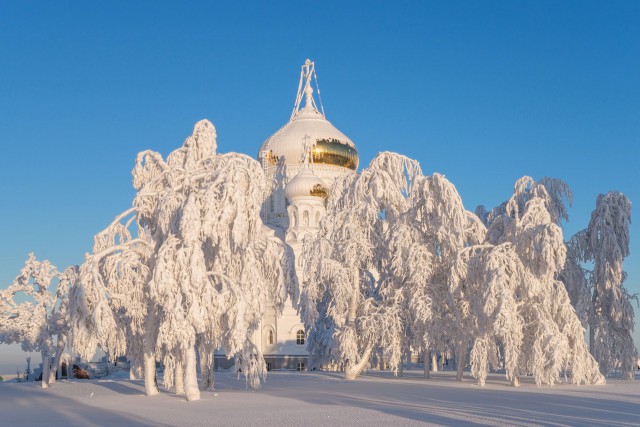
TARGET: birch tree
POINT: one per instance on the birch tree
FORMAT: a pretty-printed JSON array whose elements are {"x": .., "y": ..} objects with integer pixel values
[
  {"x": 347, "y": 305},
  {"x": 605, "y": 243},
  {"x": 34, "y": 316},
  {"x": 380, "y": 261},
  {"x": 522, "y": 309},
  {"x": 439, "y": 227},
  {"x": 201, "y": 265}
]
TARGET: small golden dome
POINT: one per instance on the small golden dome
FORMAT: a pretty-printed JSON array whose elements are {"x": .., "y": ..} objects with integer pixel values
[{"x": 306, "y": 184}]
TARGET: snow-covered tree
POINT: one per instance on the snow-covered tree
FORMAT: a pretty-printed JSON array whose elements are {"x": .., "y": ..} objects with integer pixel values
[
  {"x": 32, "y": 315},
  {"x": 348, "y": 305},
  {"x": 375, "y": 276},
  {"x": 522, "y": 311},
  {"x": 398, "y": 259},
  {"x": 576, "y": 278},
  {"x": 190, "y": 264},
  {"x": 436, "y": 227},
  {"x": 111, "y": 305},
  {"x": 555, "y": 193},
  {"x": 605, "y": 244}
]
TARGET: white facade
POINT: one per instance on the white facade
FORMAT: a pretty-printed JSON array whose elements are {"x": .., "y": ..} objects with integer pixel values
[{"x": 302, "y": 160}]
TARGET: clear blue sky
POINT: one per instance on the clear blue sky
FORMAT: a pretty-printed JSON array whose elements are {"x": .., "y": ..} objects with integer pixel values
[{"x": 484, "y": 92}]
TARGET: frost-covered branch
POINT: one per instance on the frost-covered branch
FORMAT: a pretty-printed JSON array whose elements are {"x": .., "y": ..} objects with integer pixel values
[
  {"x": 199, "y": 275},
  {"x": 44, "y": 315}
]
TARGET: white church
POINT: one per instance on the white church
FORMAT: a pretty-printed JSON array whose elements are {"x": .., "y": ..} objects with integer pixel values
[{"x": 302, "y": 159}]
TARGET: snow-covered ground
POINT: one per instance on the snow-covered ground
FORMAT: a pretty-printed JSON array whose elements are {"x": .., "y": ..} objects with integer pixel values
[{"x": 321, "y": 398}]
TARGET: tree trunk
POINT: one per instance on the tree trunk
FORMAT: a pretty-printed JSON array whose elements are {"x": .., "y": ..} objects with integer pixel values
[
  {"x": 135, "y": 369},
  {"x": 149, "y": 355},
  {"x": 150, "y": 384},
  {"x": 46, "y": 369},
  {"x": 426, "y": 360},
  {"x": 353, "y": 303},
  {"x": 352, "y": 371},
  {"x": 460, "y": 356},
  {"x": 179, "y": 378},
  {"x": 206, "y": 367},
  {"x": 434, "y": 361},
  {"x": 62, "y": 341},
  {"x": 592, "y": 323},
  {"x": 515, "y": 381},
  {"x": 191, "y": 376}
]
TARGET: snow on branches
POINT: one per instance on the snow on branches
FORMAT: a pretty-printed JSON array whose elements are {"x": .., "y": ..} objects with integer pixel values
[
  {"x": 522, "y": 311},
  {"x": 598, "y": 296},
  {"x": 605, "y": 245},
  {"x": 399, "y": 262},
  {"x": 190, "y": 265},
  {"x": 31, "y": 314},
  {"x": 375, "y": 277},
  {"x": 342, "y": 302}
]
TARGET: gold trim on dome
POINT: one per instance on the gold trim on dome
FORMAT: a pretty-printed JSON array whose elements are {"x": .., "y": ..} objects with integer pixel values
[
  {"x": 318, "y": 190},
  {"x": 335, "y": 153},
  {"x": 272, "y": 159}
]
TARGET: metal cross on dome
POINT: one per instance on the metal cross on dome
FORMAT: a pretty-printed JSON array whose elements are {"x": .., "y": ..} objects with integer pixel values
[{"x": 307, "y": 73}]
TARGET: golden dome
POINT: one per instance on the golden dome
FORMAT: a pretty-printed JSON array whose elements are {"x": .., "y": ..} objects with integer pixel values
[
  {"x": 330, "y": 146},
  {"x": 336, "y": 153}
]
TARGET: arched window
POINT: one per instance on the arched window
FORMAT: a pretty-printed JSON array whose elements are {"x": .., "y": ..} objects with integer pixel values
[
  {"x": 305, "y": 218},
  {"x": 300, "y": 337},
  {"x": 270, "y": 337},
  {"x": 317, "y": 219}
]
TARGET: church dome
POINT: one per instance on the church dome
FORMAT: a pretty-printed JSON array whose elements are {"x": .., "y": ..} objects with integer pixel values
[
  {"x": 329, "y": 146},
  {"x": 305, "y": 184}
]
